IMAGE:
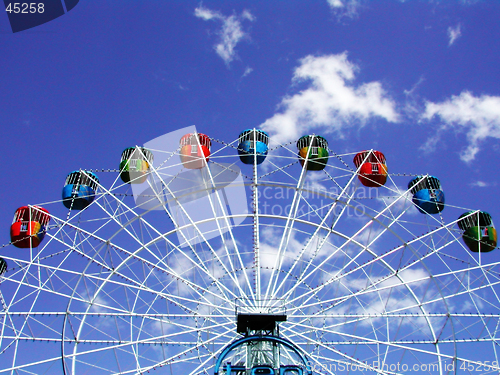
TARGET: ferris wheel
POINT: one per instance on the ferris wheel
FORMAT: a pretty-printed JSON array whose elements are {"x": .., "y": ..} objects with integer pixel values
[{"x": 243, "y": 256}]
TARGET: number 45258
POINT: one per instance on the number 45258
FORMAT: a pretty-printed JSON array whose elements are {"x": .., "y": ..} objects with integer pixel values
[{"x": 25, "y": 8}]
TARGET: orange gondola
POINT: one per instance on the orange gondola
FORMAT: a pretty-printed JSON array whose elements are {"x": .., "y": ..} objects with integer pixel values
[{"x": 195, "y": 150}]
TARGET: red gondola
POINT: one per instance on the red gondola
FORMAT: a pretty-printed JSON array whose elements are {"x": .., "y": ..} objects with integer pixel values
[
  {"x": 28, "y": 227},
  {"x": 372, "y": 168},
  {"x": 195, "y": 150}
]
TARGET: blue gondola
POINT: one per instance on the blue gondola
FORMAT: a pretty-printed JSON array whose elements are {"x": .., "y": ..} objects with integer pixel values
[
  {"x": 79, "y": 189},
  {"x": 253, "y": 142},
  {"x": 428, "y": 195}
]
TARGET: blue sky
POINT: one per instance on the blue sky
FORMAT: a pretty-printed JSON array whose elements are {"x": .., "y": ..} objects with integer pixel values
[
  {"x": 417, "y": 80},
  {"x": 79, "y": 89}
]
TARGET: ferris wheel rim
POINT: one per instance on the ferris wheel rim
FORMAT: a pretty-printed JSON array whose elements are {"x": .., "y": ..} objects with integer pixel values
[
  {"x": 229, "y": 274},
  {"x": 270, "y": 216}
]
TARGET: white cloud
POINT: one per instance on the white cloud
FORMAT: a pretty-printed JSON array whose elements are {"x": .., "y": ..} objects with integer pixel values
[
  {"x": 479, "y": 117},
  {"x": 231, "y": 32},
  {"x": 388, "y": 296},
  {"x": 335, "y": 3},
  {"x": 415, "y": 277},
  {"x": 454, "y": 33},
  {"x": 345, "y": 8},
  {"x": 230, "y": 36},
  {"x": 367, "y": 236},
  {"x": 247, "y": 15},
  {"x": 207, "y": 14},
  {"x": 248, "y": 70},
  {"x": 481, "y": 184},
  {"x": 331, "y": 102}
]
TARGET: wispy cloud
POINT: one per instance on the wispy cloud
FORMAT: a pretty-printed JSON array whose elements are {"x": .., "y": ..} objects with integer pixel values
[
  {"x": 481, "y": 184},
  {"x": 248, "y": 70},
  {"x": 230, "y": 33},
  {"x": 478, "y": 117},
  {"x": 454, "y": 33},
  {"x": 331, "y": 102},
  {"x": 414, "y": 88},
  {"x": 412, "y": 107}
]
